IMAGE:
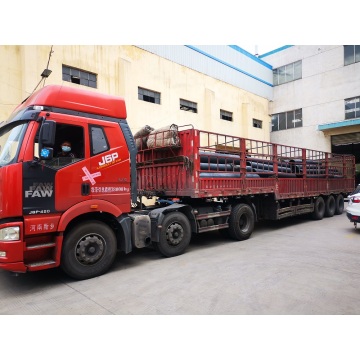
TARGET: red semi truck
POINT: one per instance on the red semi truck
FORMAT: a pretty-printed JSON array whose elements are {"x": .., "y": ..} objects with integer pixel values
[{"x": 78, "y": 211}]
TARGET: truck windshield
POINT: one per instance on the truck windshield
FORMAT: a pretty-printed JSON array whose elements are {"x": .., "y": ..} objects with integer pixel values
[{"x": 10, "y": 140}]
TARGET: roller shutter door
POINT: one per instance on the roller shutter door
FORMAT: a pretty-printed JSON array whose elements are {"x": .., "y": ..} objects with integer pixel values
[{"x": 345, "y": 139}]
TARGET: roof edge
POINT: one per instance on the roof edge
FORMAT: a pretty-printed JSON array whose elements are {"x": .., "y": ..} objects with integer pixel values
[{"x": 275, "y": 51}]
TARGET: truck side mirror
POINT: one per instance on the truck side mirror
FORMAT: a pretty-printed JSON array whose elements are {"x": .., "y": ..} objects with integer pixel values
[
  {"x": 47, "y": 139},
  {"x": 47, "y": 133}
]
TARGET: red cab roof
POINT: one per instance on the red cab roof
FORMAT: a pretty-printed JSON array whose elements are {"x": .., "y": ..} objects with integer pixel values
[{"x": 78, "y": 100}]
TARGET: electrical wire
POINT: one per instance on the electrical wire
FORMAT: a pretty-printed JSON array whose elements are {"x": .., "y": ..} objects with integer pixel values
[{"x": 43, "y": 78}]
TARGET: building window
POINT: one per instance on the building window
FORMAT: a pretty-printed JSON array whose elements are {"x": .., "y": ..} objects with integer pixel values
[
  {"x": 352, "y": 108},
  {"x": 77, "y": 76},
  {"x": 287, "y": 120},
  {"x": 287, "y": 73},
  {"x": 188, "y": 106},
  {"x": 351, "y": 54},
  {"x": 257, "y": 123},
  {"x": 226, "y": 115},
  {"x": 148, "y": 95}
]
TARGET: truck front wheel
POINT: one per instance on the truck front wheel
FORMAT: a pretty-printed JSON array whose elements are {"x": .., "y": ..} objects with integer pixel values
[
  {"x": 241, "y": 222},
  {"x": 89, "y": 250},
  {"x": 175, "y": 235}
]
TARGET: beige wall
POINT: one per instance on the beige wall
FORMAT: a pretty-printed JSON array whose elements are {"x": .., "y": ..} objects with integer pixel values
[
  {"x": 120, "y": 70},
  {"x": 10, "y": 79}
]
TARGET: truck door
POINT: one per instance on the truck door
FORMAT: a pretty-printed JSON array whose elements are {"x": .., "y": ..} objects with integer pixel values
[
  {"x": 109, "y": 173},
  {"x": 71, "y": 183},
  {"x": 57, "y": 184}
]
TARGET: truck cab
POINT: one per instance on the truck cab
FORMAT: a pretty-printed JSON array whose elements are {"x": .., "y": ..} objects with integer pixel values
[{"x": 43, "y": 194}]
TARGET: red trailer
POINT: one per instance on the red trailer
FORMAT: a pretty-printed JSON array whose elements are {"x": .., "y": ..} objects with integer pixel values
[
  {"x": 78, "y": 211},
  {"x": 274, "y": 180}
]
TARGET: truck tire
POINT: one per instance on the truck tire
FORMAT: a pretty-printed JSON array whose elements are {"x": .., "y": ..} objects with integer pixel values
[
  {"x": 89, "y": 249},
  {"x": 241, "y": 222},
  {"x": 319, "y": 209},
  {"x": 175, "y": 235},
  {"x": 329, "y": 206},
  {"x": 339, "y": 204}
]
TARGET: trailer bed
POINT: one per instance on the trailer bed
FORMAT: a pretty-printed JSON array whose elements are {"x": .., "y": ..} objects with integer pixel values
[{"x": 201, "y": 164}]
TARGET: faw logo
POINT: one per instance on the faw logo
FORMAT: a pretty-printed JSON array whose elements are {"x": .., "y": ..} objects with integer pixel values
[
  {"x": 40, "y": 190},
  {"x": 108, "y": 159}
]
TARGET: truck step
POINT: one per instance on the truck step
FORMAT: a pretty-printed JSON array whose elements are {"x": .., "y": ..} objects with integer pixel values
[
  {"x": 40, "y": 246},
  {"x": 212, "y": 228},
  {"x": 41, "y": 263},
  {"x": 212, "y": 215}
]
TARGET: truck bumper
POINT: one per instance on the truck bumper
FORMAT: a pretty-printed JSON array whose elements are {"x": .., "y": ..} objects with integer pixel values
[
  {"x": 14, "y": 267},
  {"x": 11, "y": 256}
]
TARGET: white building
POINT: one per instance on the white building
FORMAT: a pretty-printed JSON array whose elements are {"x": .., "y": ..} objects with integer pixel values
[{"x": 316, "y": 97}]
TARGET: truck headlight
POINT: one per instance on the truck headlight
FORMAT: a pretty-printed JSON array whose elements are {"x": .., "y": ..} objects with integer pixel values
[{"x": 10, "y": 233}]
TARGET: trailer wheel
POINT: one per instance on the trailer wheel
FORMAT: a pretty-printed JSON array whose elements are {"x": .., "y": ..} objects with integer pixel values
[
  {"x": 175, "y": 235},
  {"x": 241, "y": 222},
  {"x": 339, "y": 204},
  {"x": 89, "y": 250},
  {"x": 330, "y": 206},
  {"x": 319, "y": 209}
]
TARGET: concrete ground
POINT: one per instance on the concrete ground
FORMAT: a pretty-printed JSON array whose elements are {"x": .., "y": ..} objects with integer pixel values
[{"x": 291, "y": 267}]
